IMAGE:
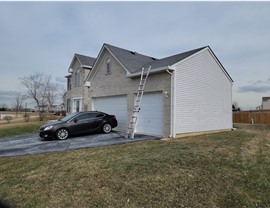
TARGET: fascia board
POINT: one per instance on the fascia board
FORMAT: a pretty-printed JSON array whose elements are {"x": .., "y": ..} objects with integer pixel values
[
  {"x": 86, "y": 66},
  {"x": 73, "y": 59},
  {"x": 220, "y": 65},
  {"x": 153, "y": 71}
]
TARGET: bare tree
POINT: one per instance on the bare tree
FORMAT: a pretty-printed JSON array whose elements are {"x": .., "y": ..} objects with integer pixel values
[
  {"x": 37, "y": 86},
  {"x": 52, "y": 95},
  {"x": 19, "y": 99}
]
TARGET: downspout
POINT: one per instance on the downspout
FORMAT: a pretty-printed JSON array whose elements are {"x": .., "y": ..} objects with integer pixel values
[{"x": 172, "y": 105}]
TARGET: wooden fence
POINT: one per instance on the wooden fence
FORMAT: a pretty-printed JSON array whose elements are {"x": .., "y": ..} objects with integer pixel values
[{"x": 252, "y": 117}]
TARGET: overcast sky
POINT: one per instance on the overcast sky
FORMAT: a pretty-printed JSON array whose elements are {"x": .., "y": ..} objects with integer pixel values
[{"x": 43, "y": 37}]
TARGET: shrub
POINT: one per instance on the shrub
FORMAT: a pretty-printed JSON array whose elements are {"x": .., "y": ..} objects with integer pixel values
[
  {"x": 8, "y": 118},
  {"x": 26, "y": 117}
]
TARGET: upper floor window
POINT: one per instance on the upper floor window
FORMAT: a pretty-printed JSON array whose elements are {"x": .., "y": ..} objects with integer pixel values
[
  {"x": 109, "y": 66},
  {"x": 78, "y": 78},
  {"x": 68, "y": 83}
]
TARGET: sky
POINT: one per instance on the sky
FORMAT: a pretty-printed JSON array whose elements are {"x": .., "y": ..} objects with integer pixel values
[{"x": 44, "y": 36}]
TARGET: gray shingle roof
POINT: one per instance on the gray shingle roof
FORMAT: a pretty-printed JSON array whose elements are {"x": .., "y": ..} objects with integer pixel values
[
  {"x": 265, "y": 99},
  {"x": 85, "y": 60},
  {"x": 168, "y": 61},
  {"x": 134, "y": 61},
  {"x": 131, "y": 60}
]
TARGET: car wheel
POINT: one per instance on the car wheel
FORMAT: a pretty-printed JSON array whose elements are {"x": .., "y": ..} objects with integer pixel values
[
  {"x": 107, "y": 128},
  {"x": 62, "y": 134}
]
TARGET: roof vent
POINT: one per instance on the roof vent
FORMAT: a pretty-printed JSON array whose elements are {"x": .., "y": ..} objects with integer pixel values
[
  {"x": 133, "y": 52},
  {"x": 153, "y": 58}
]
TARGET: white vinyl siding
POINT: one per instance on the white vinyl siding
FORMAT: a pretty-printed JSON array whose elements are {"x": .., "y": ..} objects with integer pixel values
[
  {"x": 266, "y": 105},
  {"x": 115, "y": 105},
  {"x": 151, "y": 115},
  {"x": 203, "y": 95}
]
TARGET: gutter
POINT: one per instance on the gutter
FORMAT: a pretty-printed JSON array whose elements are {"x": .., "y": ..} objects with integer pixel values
[{"x": 153, "y": 71}]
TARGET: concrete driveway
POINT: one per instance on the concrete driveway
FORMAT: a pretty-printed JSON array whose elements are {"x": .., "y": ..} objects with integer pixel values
[{"x": 33, "y": 144}]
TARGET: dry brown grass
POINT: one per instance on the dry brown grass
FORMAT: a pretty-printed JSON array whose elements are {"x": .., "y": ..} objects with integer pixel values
[{"x": 217, "y": 170}]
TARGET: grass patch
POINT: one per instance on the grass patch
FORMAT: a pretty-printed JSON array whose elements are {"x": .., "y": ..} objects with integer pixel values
[
  {"x": 229, "y": 169},
  {"x": 19, "y": 129}
]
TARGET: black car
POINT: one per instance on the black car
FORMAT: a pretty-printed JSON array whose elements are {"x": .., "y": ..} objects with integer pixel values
[{"x": 78, "y": 123}]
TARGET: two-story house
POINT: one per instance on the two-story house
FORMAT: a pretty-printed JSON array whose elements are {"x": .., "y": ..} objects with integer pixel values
[
  {"x": 76, "y": 95},
  {"x": 184, "y": 93}
]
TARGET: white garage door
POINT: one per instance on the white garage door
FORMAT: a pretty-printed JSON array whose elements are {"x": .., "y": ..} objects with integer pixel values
[
  {"x": 115, "y": 105},
  {"x": 151, "y": 115}
]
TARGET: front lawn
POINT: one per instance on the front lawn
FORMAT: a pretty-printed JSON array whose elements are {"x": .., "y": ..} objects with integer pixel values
[
  {"x": 229, "y": 169},
  {"x": 8, "y": 130}
]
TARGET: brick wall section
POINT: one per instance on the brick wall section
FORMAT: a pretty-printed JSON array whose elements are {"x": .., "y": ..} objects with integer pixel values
[{"x": 116, "y": 83}]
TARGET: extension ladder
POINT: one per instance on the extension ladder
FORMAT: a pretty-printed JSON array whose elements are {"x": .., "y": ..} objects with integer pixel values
[{"x": 136, "y": 108}]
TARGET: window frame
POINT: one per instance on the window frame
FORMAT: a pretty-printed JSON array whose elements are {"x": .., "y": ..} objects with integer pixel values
[
  {"x": 68, "y": 83},
  {"x": 78, "y": 78}
]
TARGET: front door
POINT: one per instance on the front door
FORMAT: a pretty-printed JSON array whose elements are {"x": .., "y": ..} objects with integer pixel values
[{"x": 76, "y": 105}]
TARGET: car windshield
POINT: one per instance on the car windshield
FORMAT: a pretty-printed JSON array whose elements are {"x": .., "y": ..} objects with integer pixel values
[{"x": 68, "y": 117}]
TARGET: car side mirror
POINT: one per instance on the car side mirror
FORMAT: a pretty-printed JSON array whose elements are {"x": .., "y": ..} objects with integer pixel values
[{"x": 75, "y": 120}]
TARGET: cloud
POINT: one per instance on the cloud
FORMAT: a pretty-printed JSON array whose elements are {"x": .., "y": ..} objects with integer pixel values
[
  {"x": 7, "y": 97},
  {"x": 254, "y": 88},
  {"x": 8, "y": 93},
  {"x": 258, "y": 86}
]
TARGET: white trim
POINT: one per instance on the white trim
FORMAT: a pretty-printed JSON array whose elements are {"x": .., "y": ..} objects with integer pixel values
[
  {"x": 152, "y": 71},
  {"x": 172, "y": 132},
  {"x": 86, "y": 67},
  {"x": 218, "y": 62}
]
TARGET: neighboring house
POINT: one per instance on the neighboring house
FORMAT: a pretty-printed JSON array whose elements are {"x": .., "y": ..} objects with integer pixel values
[
  {"x": 184, "y": 93},
  {"x": 76, "y": 95},
  {"x": 266, "y": 103}
]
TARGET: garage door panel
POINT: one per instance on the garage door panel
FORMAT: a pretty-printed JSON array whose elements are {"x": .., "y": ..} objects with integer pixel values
[
  {"x": 151, "y": 115},
  {"x": 116, "y": 105}
]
